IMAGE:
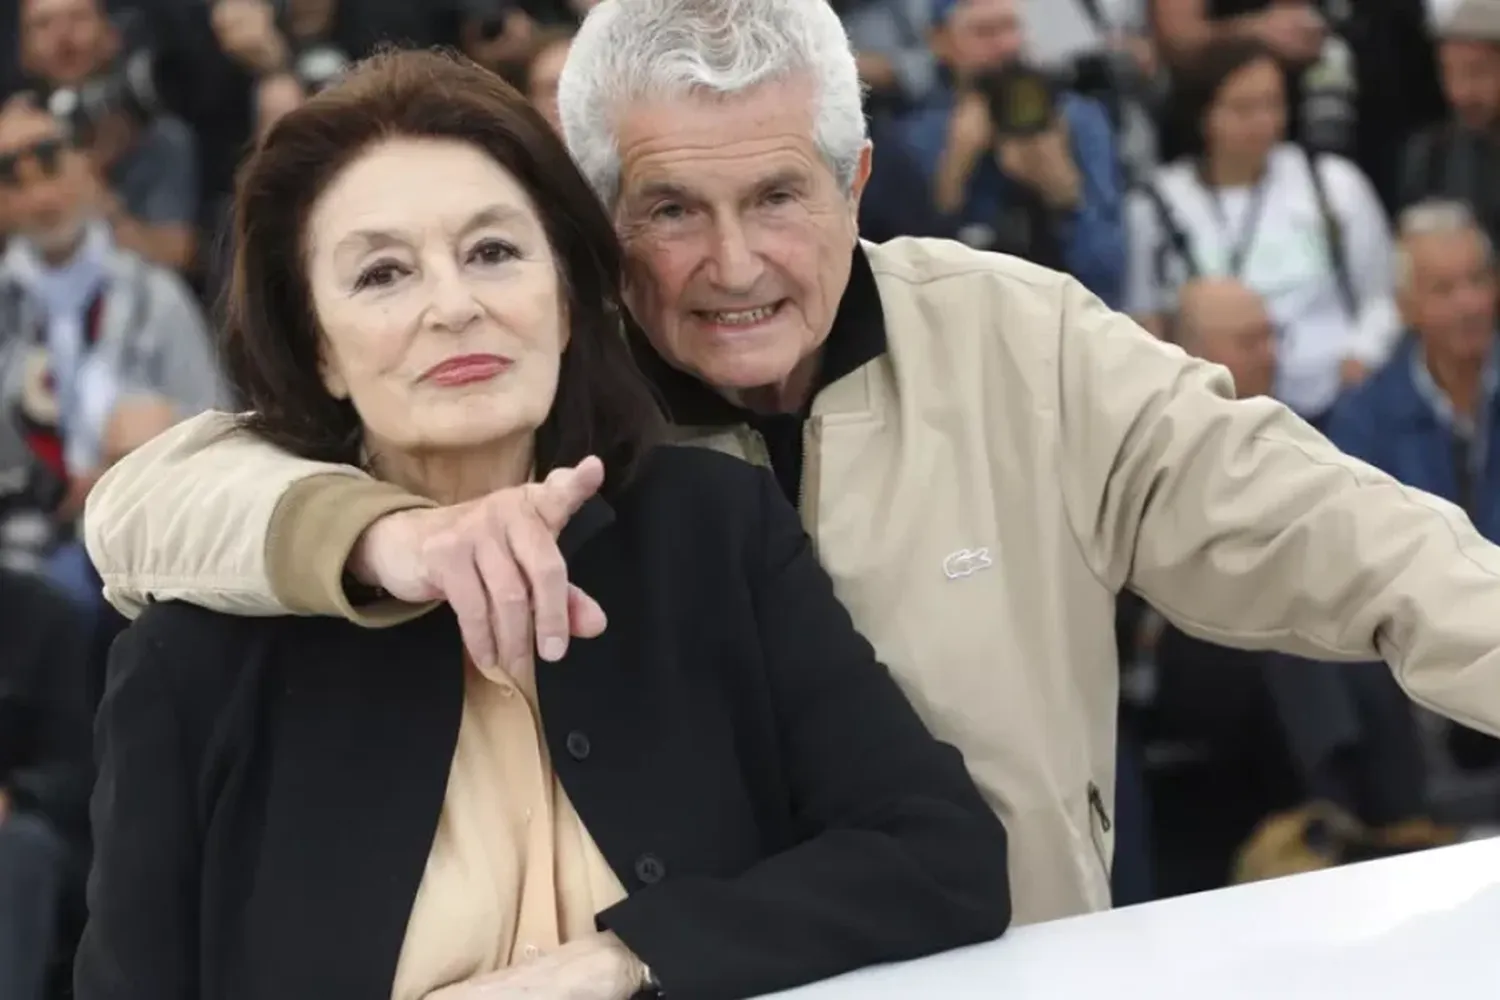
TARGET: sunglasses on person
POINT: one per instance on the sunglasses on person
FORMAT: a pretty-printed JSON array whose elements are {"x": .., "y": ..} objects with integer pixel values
[{"x": 48, "y": 155}]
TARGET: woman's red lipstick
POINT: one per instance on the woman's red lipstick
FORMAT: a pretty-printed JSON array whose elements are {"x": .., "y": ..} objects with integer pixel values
[{"x": 467, "y": 369}]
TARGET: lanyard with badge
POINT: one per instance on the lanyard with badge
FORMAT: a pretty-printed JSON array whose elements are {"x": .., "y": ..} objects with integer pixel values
[{"x": 1239, "y": 250}]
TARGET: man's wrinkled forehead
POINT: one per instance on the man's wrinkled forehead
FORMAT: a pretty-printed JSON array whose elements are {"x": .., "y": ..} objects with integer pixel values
[
  {"x": 716, "y": 148},
  {"x": 22, "y": 127}
]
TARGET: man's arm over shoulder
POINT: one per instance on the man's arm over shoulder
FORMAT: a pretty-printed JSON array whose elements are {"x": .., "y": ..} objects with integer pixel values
[
  {"x": 209, "y": 514},
  {"x": 1245, "y": 527}
]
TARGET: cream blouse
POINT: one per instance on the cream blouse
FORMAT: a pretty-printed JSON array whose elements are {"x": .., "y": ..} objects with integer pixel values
[{"x": 512, "y": 873}]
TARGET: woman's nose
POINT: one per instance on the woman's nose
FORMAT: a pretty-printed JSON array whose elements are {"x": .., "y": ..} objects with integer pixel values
[{"x": 454, "y": 307}]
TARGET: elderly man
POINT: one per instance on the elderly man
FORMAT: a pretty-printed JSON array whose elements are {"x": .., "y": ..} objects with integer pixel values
[
  {"x": 1222, "y": 321},
  {"x": 984, "y": 455},
  {"x": 1428, "y": 417},
  {"x": 99, "y": 348},
  {"x": 147, "y": 163}
]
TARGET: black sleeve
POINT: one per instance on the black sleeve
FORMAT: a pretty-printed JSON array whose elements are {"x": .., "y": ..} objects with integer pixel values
[
  {"x": 902, "y": 858},
  {"x": 141, "y": 939},
  {"x": 53, "y": 780}
]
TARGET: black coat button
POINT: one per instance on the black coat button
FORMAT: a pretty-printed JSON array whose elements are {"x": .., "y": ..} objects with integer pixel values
[
  {"x": 649, "y": 869},
  {"x": 578, "y": 745}
]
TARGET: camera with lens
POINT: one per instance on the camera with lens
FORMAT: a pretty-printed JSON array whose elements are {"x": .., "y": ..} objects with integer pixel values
[
  {"x": 1022, "y": 100},
  {"x": 127, "y": 86}
]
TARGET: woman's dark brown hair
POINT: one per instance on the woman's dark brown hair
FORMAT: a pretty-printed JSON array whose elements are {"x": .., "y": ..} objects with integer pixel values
[
  {"x": 603, "y": 405},
  {"x": 1196, "y": 86}
]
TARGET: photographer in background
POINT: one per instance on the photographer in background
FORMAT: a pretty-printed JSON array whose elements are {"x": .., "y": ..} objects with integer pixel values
[
  {"x": 296, "y": 47},
  {"x": 1361, "y": 74},
  {"x": 101, "y": 348},
  {"x": 1017, "y": 165},
  {"x": 97, "y": 81},
  {"x": 1104, "y": 50}
]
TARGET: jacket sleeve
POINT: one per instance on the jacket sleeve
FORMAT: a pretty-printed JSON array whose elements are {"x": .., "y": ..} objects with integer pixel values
[
  {"x": 142, "y": 934},
  {"x": 902, "y": 858},
  {"x": 1246, "y": 528},
  {"x": 209, "y": 514}
]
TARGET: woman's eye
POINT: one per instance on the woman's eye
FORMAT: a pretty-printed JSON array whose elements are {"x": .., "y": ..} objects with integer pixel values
[
  {"x": 494, "y": 252},
  {"x": 378, "y": 276}
]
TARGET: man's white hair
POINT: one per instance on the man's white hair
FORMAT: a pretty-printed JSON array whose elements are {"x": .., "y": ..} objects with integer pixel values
[
  {"x": 1434, "y": 217},
  {"x": 634, "y": 50}
]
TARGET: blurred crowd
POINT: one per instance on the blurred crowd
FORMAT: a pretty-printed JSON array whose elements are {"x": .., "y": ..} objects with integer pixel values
[{"x": 1305, "y": 192}]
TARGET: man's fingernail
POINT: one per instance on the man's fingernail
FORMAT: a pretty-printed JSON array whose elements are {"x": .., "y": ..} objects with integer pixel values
[{"x": 553, "y": 649}]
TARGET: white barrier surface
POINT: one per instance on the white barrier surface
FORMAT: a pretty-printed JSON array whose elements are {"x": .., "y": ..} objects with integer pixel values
[{"x": 1420, "y": 926}]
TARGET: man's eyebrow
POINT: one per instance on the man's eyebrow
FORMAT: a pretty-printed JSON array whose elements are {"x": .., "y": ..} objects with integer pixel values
[
  {"x": 663, "y": 189},
  {"x": 783, "y": 178}
]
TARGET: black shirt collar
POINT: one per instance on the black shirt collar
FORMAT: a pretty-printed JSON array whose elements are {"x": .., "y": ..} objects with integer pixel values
[{"x": 857, "y": 338}]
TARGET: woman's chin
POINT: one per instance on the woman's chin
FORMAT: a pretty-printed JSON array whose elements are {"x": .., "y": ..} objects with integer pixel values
[{"x": 464, "y": 434}]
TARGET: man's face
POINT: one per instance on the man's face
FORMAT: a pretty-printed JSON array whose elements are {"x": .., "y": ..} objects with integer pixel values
[
  {"x": 738, "y": 238},
  {"x": 979, "y": 35},
  {"x": 1450, "y": 301},
  {"x": 1244, "y": 341},
  {"x": 64, "y": 42},
  {"x": 1471, "y": 80},
  {"x": 43, "y": 178}
]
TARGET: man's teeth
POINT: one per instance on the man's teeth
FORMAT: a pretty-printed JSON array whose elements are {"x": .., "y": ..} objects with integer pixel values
[{"x": 743, "y": 317}]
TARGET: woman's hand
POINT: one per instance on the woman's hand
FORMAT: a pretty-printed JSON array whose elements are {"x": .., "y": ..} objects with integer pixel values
[{"x": 594, "y": 968}]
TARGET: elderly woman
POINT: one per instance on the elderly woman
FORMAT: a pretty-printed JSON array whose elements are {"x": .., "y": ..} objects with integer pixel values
[{"x": 723, "y": 795}]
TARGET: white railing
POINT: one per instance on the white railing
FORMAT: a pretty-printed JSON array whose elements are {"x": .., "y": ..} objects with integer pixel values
[{"x": 1420, "y": 927}]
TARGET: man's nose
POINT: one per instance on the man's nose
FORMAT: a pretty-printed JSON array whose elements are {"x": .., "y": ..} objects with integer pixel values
[
  {"x": 453, "y": 306},
  {"x": 736, "y": 264}
]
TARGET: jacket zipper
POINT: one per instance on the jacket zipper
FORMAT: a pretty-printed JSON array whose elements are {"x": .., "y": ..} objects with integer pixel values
[
  {"x": 1096, "y": 802},
  {"x": 802, "y": 479}
]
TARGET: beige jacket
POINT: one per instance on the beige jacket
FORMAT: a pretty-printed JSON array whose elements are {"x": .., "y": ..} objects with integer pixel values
[{"x": 979, "y": 495}]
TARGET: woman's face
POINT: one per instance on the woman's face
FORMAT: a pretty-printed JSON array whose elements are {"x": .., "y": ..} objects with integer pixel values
[
  {"x": 438, "y": 298},
  {"x": 1248, "y": 117}
]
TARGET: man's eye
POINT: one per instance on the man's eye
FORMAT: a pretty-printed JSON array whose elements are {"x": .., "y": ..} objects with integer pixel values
[{"x": 668, "y": 213}]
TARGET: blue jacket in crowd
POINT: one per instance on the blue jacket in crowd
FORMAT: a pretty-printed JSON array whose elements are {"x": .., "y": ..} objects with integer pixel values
[
  {"x": 1092, "y": 238},
  {"x": 1400, "y": 423}
]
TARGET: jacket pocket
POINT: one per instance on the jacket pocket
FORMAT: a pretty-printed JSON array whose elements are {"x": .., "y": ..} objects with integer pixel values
[{"x": 1100, "y": 827}]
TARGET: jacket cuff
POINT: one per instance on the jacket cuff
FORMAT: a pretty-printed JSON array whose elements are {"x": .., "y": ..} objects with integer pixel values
[
  {"x": 637, "y": 923},
  {"x": 313, "y": 531}
]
